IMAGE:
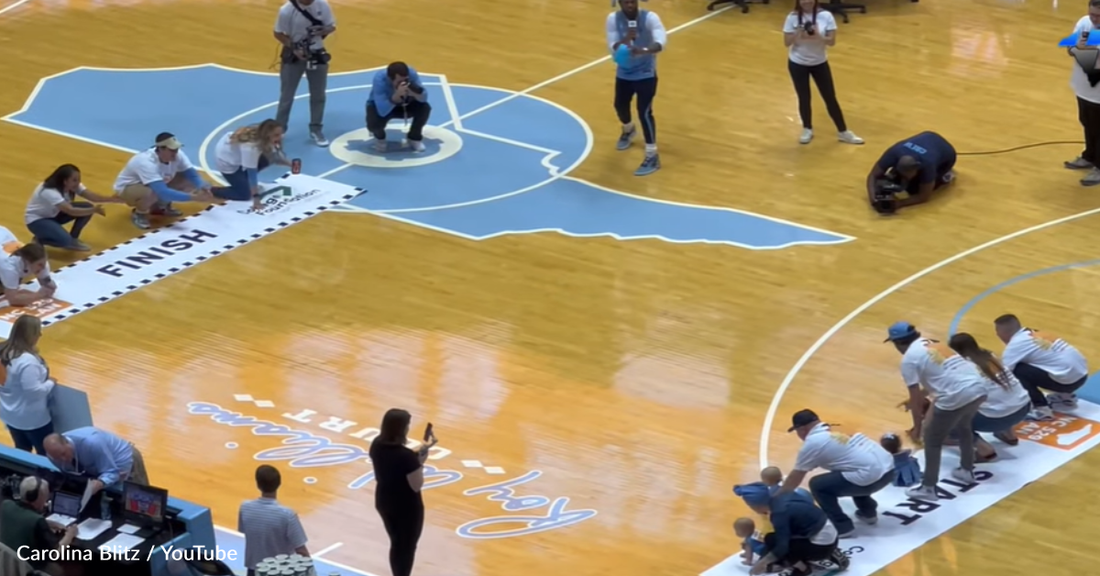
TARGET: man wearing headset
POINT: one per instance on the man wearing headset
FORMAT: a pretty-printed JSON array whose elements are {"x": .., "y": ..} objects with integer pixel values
[
  {"x": 909, "y": 171},
  {"x": 23, "y": 525}
]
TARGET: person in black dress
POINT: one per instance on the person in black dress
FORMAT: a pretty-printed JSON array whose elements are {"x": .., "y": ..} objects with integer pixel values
[{"x": 399, "y": 473}]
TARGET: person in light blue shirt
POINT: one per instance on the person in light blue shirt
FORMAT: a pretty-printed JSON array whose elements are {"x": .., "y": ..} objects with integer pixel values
[
  {"x": 24, "y": 397},
  {"x": 105, "y": 457},
  {"x": 397, "y": 92},
  {"x": 641, "y": 35}
]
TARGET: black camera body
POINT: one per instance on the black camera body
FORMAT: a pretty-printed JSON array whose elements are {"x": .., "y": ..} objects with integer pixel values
[
  {"x": 885, "y": 199},
  {"x": 315, "y": 53},
  {"x": 808, "y": 27}
]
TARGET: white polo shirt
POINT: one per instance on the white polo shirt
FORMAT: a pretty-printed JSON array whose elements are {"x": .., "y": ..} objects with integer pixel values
[
  {"x": 859, "y": 459},
  {"x": 145, "y": 168},
  {"x": 44, "y": 202},
  {"x": 809, "y": 51},
  {"x": 294, "y": 24},
  {"x": 1048, "y": 353},
  {"x": 1078, "y": 80},
  {"x": 230, "y": 156},
  {"x": 954, "y": 380},
  {"x": 13, "y": 270}
]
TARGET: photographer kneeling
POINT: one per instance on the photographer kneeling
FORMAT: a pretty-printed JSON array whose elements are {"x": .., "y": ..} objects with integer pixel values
[
  {"x": 301, "y": 28},
  {"x": 397, "y": 92},
  {"x": 909, "y": 171}
]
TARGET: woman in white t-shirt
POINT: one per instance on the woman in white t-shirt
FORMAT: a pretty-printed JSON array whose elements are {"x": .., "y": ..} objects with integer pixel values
[
  {"x": 241, "y": 154},
  {"x": 1006, "y": 402},
  {"x": 53, "y": 205},
  {"x": 24, "y": 397},
  {"x": 808, "y": 32}
]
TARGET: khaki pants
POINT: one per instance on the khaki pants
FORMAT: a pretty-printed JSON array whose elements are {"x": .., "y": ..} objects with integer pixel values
[
  {"x": 137, "y": 475},
  {"x": 135, "y": 193}
]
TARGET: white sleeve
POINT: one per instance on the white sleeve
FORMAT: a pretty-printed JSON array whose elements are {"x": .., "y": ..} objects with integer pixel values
[
  {"x": 53, "y": 196},
  {"x": 147, "y": 171},
  {"x": 1015, "y": 352},
  {"x": 328, "y": 18},
  {"x": 657, "y": 29},
  {"x": 1082, "y": 25},
  {"x": 183, "y": 163},
  {"x": 806, "y": 461},
  {"x": 612, "y": 32},
  {"x": 282, "y": 21},
  {"x": 9, "y": 275},
  {"x": 830, "y": 21},
  {"x": 790, "y": 25},
  {"x": 910, "y": 372}
]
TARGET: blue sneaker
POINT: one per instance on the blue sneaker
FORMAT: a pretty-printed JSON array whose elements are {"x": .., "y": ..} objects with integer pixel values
[
  {"x": 650, "y": 165},
  {"x": 626, "y": 139}
]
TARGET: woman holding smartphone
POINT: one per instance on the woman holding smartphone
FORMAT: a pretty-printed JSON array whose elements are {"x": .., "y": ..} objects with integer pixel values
[
  {"x": 808, "y": 33},
  {"x": 399, "y": 473}
]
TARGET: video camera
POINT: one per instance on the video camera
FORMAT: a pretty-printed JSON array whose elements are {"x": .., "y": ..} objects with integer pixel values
[
  {"x": 887, "y": 189},
  {"x": 315, "y": 52}
]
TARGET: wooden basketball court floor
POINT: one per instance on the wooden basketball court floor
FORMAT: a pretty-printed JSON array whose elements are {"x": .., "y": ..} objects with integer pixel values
[{"x": 642, "y": 378}]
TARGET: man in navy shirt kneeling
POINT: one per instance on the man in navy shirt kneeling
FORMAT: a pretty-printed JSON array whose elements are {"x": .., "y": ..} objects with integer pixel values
[{"x": 909, "y": 171}]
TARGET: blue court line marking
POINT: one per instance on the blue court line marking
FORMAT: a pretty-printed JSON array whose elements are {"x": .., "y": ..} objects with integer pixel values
[{"x": 953, "y": 328}]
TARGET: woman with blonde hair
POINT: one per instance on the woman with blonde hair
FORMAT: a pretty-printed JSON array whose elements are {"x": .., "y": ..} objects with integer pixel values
[
  {"x": 241, "y": 154},
  {"x": 25, "y": 394}
]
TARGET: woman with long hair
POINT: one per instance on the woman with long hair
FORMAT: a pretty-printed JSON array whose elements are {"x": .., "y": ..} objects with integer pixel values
[
  {"x": 1007, "y": 402},
  {"x": 25, "y": 394},
  {"x": 27, "y": 260},
  {"x": 808, "y": 33},
  {"x": 241, "y": 155},
  {"x": 53, "y": 205},
  {"x": 399, "y": 473}
]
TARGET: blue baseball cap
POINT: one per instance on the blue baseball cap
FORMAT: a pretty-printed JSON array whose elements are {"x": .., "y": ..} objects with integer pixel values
[{"x": 899, "y": 330}]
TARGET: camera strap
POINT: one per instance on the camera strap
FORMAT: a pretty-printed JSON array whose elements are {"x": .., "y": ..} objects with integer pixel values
[{"x": 312, "y": 19}]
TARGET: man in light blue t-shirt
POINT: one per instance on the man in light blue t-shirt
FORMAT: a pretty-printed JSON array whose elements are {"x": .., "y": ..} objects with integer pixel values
[
  {"x": 397, "y": 92},
  {"x": 640, "y": 35}
]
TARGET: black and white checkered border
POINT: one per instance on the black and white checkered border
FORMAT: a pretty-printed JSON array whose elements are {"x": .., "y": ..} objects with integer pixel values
[{"x": 78, "y": 308}]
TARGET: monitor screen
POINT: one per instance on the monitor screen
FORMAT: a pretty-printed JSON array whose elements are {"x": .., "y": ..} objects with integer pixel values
[
  {"x": 144, "y": 501},
  {"x": 66, "y": 504}
]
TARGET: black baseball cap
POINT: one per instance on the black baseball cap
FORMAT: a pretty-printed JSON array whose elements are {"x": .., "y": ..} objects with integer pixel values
[{"x": 802, "y": 418}]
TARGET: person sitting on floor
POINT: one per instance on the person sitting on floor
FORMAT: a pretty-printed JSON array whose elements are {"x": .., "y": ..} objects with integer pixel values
[
  {"x": 1042, "y": 361},
  {"x": 155, "y": 178},
  {"x": 909, "y": 171},
  {"x": 53, "y": 205},
  {"x": 241, "y": 155},
  {"x": 1006, "y": 402},
  {"x": 803, "y": 533},
  {"x": 28, "y": 260}
]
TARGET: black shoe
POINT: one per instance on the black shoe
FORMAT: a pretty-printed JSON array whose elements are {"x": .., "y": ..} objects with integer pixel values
[{"x": 840, "y": 559}]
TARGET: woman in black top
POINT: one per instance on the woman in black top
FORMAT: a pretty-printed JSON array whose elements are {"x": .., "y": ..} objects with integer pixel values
[{"x": 399, "y": 473}]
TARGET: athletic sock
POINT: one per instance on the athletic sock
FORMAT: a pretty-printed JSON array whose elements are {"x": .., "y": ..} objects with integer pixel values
[
  {"x": 628, "y": 128},
  {"x": 650, "y": 150}
]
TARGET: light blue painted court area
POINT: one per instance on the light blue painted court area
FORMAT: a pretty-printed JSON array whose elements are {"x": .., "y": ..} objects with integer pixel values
[{"x": 496, "y": 162}]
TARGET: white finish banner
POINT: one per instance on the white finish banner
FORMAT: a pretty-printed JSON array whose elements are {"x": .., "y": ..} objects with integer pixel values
[{"x": 162, "y": 252}]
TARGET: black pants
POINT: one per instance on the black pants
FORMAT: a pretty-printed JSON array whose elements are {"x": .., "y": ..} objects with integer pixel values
[
  {"x": 419, "y": 112},
  {"x": 1035, "y": 380},
  {"x": 1089, "y": 115},
  {"x": 31, "y": 439},
  {"x": 823, "y": 77},
  {"x": 646, "y": 91},
  {"x": 404, "y": 528},
  {"x": 800, "y": 550}
]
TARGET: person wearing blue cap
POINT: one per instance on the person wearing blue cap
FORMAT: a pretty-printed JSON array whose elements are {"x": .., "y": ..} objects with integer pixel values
[
  {"x": 958, "y": 391},
  {"x": 857, "y": 468},
  {"x": 916, "y": 166},
  {"x": 802, "y": 531},
  {"x": 635, "y": 37}
]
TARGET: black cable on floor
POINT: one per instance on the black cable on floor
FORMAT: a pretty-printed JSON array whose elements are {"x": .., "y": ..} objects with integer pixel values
[{"x": 1024, "y": 147}]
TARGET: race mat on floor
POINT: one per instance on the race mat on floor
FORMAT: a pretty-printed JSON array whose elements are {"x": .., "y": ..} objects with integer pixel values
[
  {"x": 189, "y": 241},
  {"x": 905, "y": 524}
]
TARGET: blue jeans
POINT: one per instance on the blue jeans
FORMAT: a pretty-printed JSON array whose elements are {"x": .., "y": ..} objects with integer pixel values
[
  {"x": 239, "y": 187},
  {"x": 829, "y": 488},
  {"x": 51, "y": 231},
  {"x": 28, "y": 439}
]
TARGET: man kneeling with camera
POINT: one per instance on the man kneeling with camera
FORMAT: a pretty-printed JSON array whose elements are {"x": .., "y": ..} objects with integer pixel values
[
  {"x": 909, "y": 171},
  {"x": 397, "y": 92}
]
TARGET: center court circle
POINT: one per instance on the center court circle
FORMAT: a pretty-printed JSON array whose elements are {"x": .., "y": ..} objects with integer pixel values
[{"x": 357, "y": 148}]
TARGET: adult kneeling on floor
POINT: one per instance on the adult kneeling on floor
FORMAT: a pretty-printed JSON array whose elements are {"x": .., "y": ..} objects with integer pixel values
[
  {"x": 802, "y": 533},
  {"x": 857, "y": 467}
]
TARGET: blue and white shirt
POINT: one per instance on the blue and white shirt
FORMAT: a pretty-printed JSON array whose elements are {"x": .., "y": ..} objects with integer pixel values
[{"x": 650, "y": 31}]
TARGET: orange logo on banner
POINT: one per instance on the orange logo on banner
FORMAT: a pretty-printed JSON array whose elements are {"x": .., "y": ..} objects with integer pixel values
[
  {"x": 1064, "y": 432},
  {"x": 41, "y": 309}
]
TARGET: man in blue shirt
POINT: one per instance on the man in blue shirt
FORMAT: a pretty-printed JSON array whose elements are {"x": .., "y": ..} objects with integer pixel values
[
  {"x": 917, "y": 165},
  {"x": 397, "y": 92},
  {"x": 96, "y": 453},
  {"x": 641, "y": 34}
]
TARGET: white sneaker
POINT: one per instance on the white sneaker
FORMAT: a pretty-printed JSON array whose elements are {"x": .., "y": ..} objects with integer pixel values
[
  {"x": 380, "y": 146},
  {"x": 949, "y": 177},
  {"x": 318, "y": 138},
  {"x": 848, "y": 137},
  {"x": 1062, "y": 400},
  {"x": 922, "y": 492},
  {"x": 807, "y": 135},
  {"x": 1041, "y": 414},
  {"x": 963, "y": 475},
  {"x": 416, "y": 145}
]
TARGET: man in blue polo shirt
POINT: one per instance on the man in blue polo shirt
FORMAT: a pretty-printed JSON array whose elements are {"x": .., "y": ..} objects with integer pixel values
[
  {"x": 917, "y": 166},
  {"x": 397, "y": 92}
]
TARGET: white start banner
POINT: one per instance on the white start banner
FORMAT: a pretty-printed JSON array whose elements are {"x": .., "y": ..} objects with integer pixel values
[
  {"x": 905, "y": 524},
  {"x": 186, "y": 242}
]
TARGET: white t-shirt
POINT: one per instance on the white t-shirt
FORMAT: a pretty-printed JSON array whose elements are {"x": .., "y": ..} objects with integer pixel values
[
  {"x": 145, "y": 168},
  {"x": 13, "y": 271},
  {"x": 294, "y": 24},
  {"x": 810, "y": 51},
  {"x": 954, "y": 380},
  {"x": 1001, "y": 401},
  {"x": 1078, "y": 80},
  {"x": 859, "y": 459},
  {"x": 44, "y": 202},
  {"x": 1048, "y": 353},
  {"x": 231, "y": 156}
]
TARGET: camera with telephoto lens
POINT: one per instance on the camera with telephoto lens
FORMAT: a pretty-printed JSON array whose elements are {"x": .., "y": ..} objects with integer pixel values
[
  {"x": 885, "y": 200},
  {"x": 809, "y": 28}
]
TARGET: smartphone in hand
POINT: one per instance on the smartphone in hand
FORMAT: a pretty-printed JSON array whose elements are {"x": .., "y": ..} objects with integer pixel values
[{"x": 428, "y": 433}]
